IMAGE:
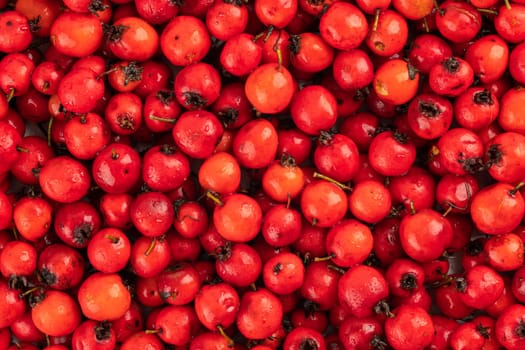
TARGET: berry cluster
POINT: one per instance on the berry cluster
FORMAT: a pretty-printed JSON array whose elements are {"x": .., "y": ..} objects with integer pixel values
[{"x": 261, "y": 175}]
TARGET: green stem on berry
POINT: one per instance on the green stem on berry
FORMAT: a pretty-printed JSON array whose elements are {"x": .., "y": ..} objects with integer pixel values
[
  {"x": 10, "y": 95},
  {"x": 150, "y": 247},
  {"x": 425, "y": 24},
  {"x": 329, "y": 179},
  {"x": 487, "y": 11},
  {"x": 49, "y": 125},
  {"x": 22, "y": 149},
  {"x": 324, "y": 258},
  {"x": 412, "y": 208},
  {"x": 214, "y": 197},
  {"x": 376, "y": 19},
  {"x": 113, "y": 239},
  {"x": 160, "y": 119},
  {"x": 229, "y": 340},
  {"x": 438, "y": 9},
  {"x": 27, "y": 292}
]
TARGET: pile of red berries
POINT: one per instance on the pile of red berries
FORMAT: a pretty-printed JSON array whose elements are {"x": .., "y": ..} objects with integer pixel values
[{"x": 267, "y": 174}]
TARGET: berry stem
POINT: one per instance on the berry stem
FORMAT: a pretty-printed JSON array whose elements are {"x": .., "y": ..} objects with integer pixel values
[
  {"x": 27, "y": 292},
  {"x": 214, "y": 197},
  {"x": 230, "y": 341},
  {"x": 376, "y": 20},
  {"x": 22, "y": 149},
  {"x": 324, "y": 258},
  {"x": 15, "y": 233},
  {"x": 425, "y": 24},
  {"x": 448, "y": 210},
  {"x": 517, "y": 188},
  {"x": 49, "y": 126},
  {"x": 336, "y": 268},
  {"x": 438, "y": 9},
  {"x": 150, "y": 247},
  {"x": 10, "y": 95},
  {"x": 487, "y": 11},
  {"x": 160, "y": 119},
  {"x": 412, "y": 208},
  {"x": 329, "y": 179},
  {"x": 113, "y": 239}
]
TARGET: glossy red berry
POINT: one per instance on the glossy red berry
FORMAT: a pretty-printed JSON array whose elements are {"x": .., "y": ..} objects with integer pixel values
[
  {"x": 18, "y": 258},
  {"x": 428, "y": 50},
  {"x": 179, "y": 284},
  {"x": 165, "y": 168},
  {"x": 94, "y": 335},
  {"x": 391, "y": 153},
  {"x": 238, "y": 217},
  {"x": 489, "y": 57},
  {"x": 220, "y": 173},
  {"x": 152, "y": 213},
  {"x": 281, "y": 226},
  {"x": 497, "y": 208},
  {"x": 349, "y": 243},
  {"x": 509, "y": 327},
  {"x": 16, "y": 32},
  {"x": 504, "y": 252},
  {"x": 217, "y": 305},
  {"x": 13, "y": 307},
  {"x": 176, "y": 324},
  {"x": 336, "y": 156},
  {"x": 283, "y": 273},
  {"x": 310, "y": 53},
  {"x": 508, "y": 22},
  {"x": 78, "y": 40},
  {"x": 61, "y": 267},
  {"x": 56, "y": 305},
  {"x": 458, "y": 22},
  {"x": 425, "y": 235},
  {"x": 396, "y": 82},
  {"x": 103, "y": 297},
  {"x": 80, "y": 100},
  {"x": 361, "y": 332},
  {"x": 64, "y": 179},
  {"x": 503, "y": 153},
  {"x": 480, "y": 287},
  {"x": 300, "y": 337},
  {"x": 32, "y": 217},
  {"x": 126, "y": 35},
  {"x": 461, "y": 151},
  {"x": 323, "y": 203},
  {"x": 260, "y": 314},
  {"x": 197, "y": 133},
  {"x": 343, "y": 26},
  {"x": 409, "y": 317},
  {"x": 314, "y": 109},
  {"x": 404, "y": 277},
  {"x": 388, "y": 34},
  {"x": 176, "y": 41},
  {"x": 429, "y": 115},
  {"x": 361, "y": 289},
  {"x": 109, "y": 250},
  {"x": 230, "y": 260},
  {"x": 270, "y": 88},
  {"x": 451, "y": 77}
]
